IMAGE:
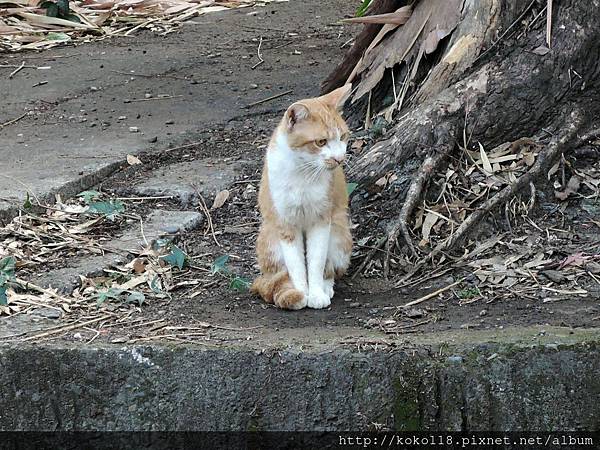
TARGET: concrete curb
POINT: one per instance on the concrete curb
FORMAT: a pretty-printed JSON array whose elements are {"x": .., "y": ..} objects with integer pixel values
[
  {"x": 67, "y": 190},
  {"x": 550, "y": 384}
]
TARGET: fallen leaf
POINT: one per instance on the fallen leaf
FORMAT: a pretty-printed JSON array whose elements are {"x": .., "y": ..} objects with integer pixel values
[
  {"x": 541, "y": 50},
  {"x": 428, "y": 223},
  {"x": 134, "y": 282},
  {"x": 382, "y": 181},
  {"x": 576, "y": 259},
  {"x": 553, "y": 170},
  {"x": 487, "y": 167},
  {"x": 358, "y": 144},
  {"x": 138, "y": 265},
  {"x": 220, "y": 199},
  {"x": 572, "y": 188},
  {"x": 529, "y": 159},
  {"x": 133, "y": 160}
]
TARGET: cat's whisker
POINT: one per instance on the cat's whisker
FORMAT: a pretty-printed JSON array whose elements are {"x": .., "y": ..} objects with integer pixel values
[
  {"x": 313, "y": 175},
  {"x": 306, "y": 168}
]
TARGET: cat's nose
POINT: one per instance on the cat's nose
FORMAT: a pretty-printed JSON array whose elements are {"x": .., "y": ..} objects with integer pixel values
[{"x": 339, "y": 159}]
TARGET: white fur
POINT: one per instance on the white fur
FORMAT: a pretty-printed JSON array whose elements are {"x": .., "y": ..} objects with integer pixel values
[
  {"x": 335, "y": 148},
  {"x": 328, "y": 286},
  {"x": 293, "y": 256},
  {"x": 317, "y": 244},
  {"x": 336, "y": 257},
  {"x": 299, "y": 186},
  {"x": 297, "y": 201}
]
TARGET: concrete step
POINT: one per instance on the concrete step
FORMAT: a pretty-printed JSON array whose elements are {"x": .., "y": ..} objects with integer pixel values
[
  {"x": 158, "y": 224},
  {"x": 513, "y": 379}
]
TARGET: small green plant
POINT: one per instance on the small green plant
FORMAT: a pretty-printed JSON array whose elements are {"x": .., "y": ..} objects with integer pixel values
[
  {"x": 59, "y": 9},
  {"x": 7, "y": 274},
  {"x": 89, "y": 196},
  {"x": 362, "y": 9},
  {"x": 468, "y": 293},
  {"x": 176, "y": 257},
  {"x": 350, "y": 187},
  {"x": 109, "y": 208},
  {"x": 237, "y": 283},
  {"x": 27, "y": 204},
  {"x": 121, "y": 295}
]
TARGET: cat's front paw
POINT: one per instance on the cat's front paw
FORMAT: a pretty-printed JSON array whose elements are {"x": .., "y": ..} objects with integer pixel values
[{"x": 317, "y": 299}]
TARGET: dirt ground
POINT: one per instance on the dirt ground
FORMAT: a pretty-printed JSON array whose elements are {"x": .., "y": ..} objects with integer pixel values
[
  {"x": 372, "y": 302},
  {"x": 556, "y": 294}
]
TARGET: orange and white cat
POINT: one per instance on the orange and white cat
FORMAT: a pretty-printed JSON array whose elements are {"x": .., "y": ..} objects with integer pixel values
[{"x": 304, "y": 242}]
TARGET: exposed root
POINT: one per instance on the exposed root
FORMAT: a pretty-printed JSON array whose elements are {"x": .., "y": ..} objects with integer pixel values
[
  {"x": 543, "y": 162},
  {"x": 413, "y": 196}
]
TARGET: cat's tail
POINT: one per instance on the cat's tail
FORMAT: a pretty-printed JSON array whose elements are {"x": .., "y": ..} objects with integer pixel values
[{"x": 277, "y": 288}]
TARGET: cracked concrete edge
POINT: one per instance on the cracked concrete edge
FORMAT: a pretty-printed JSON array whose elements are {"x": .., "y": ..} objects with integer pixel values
[
  {"x": 69, "y": 189},
  {"x": 469, "y": 384}
]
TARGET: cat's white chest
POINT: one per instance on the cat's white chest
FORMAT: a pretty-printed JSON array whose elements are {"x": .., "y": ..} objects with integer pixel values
[{"x": 297, "y": 200}]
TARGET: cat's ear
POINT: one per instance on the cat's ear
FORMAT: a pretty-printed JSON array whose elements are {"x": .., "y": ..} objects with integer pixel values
[
  {"x": 338, "y": 97},
  {"x": 295, "y": 113}
]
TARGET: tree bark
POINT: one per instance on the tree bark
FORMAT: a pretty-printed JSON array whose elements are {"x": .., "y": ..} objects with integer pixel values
[{"x": 491, "y": 79}]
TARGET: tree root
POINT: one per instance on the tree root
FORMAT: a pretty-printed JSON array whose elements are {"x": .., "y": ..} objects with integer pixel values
[
  {"x": 413, "y": 196},
  {"x": 543, "y": 162}
]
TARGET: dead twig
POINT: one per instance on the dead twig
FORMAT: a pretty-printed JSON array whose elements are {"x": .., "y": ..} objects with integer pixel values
[
  {"x": 431, "y": 295},
  {"x": 33, "y": 287},
  {"x": 17, "y": 70},
  {"x": 369, "y": 256},
  {"x": 268, "y": 99},
  {"x": 164, "y": 97},
  {"x": 260, "y": 59},
  {"x": 10, "y": 122},
  {"x": 64, "y": 329},
  {"x": 206, "y": 212},
  {"x": 549, "y": 24},
  {"x": 145, "y": 75}
]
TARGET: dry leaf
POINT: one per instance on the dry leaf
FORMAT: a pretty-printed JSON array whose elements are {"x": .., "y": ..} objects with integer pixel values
[
  {"x": 576, "y": 259},
  {"x": 133, "y": 160},
  {"x": 433, "y": 39},
  {"x": 220, "y": 199},
  {"x": 541, "y": 50},
  {"x": 487, "y": 167},
  {"x": 382, "y": 181},
  {"x": 553, "y": 170},
  {"x": 138, "y": 265},
  {"x": 529, "y": 159},
  {"x": 358, "y": 144},
  {"x": 134, "y": 282},
  {"x": 572, "y": 188},
  {"x": 406, "y": 43},
  {"x": 430, "y": 219}
]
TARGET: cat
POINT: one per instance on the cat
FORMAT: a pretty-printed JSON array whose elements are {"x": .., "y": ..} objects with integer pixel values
[{"x": 304, "y": 243}]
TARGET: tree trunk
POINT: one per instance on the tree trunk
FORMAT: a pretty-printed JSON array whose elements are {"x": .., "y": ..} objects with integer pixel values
[{"x": 495, "y": 76}]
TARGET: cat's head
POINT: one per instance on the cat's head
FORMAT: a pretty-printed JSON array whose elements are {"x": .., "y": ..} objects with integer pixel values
[{"x": 315, "y": 129}]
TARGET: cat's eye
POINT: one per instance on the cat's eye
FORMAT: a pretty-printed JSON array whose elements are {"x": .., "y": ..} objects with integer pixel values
[{"x": 321, "y": 142}]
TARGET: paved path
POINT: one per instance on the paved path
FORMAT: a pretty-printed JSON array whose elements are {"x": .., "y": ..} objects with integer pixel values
[{"x": 99, "y": 102}]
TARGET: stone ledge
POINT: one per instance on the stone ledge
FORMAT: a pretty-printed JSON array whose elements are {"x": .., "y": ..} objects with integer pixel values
[{"x": 516, "y": 380}]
